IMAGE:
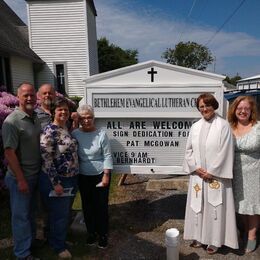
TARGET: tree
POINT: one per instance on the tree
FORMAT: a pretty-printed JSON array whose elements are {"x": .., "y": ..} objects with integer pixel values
[
  {"x": 190, "y": 55},
  {"x": 112, "y": 57},
  {"x": 233, "y": 80}
]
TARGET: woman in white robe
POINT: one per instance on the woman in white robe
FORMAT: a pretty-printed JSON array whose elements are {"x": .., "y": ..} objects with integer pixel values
[{"x": 210, "y": 213}]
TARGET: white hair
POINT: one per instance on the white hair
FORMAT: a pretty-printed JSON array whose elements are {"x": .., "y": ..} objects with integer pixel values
[{"x": 85, "y": 109}]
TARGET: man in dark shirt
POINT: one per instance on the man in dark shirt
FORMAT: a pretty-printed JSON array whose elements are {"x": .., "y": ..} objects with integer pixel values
[{"x": 46, "y": 96}]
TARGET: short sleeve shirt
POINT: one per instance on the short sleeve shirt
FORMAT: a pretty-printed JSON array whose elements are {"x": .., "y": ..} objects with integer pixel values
[
  {"x": 44, "y": 117},
  {"x": 22, "y": 133}
]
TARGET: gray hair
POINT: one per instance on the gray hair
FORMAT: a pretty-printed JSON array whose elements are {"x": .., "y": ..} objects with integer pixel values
[
  {"x": 85, "y": 109},
  {"x": 23, "y": 84}
]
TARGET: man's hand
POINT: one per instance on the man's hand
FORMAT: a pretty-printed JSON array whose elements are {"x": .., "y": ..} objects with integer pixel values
[
  {"x": 15, "y": 166},
  {"x": 23, "y": 186}
]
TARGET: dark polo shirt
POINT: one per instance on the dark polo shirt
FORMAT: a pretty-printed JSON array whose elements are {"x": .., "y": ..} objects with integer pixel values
[{"x": 44, "y": 117}]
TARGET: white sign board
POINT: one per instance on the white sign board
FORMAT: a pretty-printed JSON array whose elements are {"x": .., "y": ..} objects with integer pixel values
[
  {"x": 148, "y": 123},
  {"x": 147, "y": 142}
]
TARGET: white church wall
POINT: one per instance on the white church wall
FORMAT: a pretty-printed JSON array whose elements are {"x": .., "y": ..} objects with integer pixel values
[
  {"x": 21, "y": 70},
  {"x": 58, "y": 35}
]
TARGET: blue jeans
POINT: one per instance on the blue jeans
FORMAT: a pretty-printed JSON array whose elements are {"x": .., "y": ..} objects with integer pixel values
[
  {"x": 22, "y": 209},
  {"x": 58, "y": 209}
]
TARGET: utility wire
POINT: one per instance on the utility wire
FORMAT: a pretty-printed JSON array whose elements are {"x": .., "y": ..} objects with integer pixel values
[
  {"x": 225, "y": 22},
  {"x": 193, "y": 4}
]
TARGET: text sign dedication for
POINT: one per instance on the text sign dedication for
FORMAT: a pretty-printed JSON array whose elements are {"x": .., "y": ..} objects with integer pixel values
[{"x": 147, "y": 142}]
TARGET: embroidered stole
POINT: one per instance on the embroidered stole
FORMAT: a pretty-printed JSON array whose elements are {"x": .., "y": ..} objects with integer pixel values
[{"x": 214, "y": 189}]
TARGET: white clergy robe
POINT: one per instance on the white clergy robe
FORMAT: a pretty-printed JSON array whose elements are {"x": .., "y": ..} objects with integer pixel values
[{"x": 210, "y": 213}]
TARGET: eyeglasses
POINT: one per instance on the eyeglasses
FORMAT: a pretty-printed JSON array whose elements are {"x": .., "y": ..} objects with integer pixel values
[
  {"x": 86, "y": 118},
  {"x": 204, "y": 107},
  {"x": 246, "y": 109}
]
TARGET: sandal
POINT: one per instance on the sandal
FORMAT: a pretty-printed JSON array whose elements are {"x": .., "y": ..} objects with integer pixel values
[
  {"x": 211, "y": 250},
  {"x": 251, "y": 246},
  {"x": 195, "y": 244}
]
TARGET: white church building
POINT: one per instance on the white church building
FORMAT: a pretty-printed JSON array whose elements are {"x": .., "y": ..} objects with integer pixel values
[
  {"x": 58, "y": 46},
  {"x": 63, "y": 34}
]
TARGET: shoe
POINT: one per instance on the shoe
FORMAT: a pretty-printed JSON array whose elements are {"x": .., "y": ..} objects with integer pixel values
[
  {"x": 211, "y": 250},
  {"x": 196, "y": 244},
  {"x": 251, "y": 246},
  {"x": 102, "y": 242},
  {"x": 91, "y": 239},
  {"x": 65, "y": 254}
]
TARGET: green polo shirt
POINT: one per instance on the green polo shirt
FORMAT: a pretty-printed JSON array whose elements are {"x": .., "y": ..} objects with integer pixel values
[{"x": 22, "y": 133}]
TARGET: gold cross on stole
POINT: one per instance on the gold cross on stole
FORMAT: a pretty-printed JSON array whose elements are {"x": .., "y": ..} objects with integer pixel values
[{"x": 197, "y": 189}]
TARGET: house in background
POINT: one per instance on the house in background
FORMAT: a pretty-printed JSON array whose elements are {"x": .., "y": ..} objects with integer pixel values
[
  {"x": 246, "y": 87},
  {"x": 63, "y": 34},
  {"x": 252, "y": 83},
  {"x": 17, "y": 61}
]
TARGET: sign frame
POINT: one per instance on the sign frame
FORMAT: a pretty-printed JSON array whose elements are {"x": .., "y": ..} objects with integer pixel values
[
  {"x": 150, "y": 77},
  {"x": 150, "y": 169}
]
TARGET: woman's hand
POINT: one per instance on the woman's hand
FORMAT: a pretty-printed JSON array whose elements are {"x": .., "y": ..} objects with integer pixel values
[
  {"x": 201, "y": 172},
  {"x": 105, "y": 179},
  {"x": 75, "y": 117},
  {"x": 58, "y": 189},
  {"x": 207, "y": 177}
]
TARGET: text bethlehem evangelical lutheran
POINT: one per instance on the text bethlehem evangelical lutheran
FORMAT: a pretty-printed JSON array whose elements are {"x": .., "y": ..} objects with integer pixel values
[{"x": 144, "y": 102}]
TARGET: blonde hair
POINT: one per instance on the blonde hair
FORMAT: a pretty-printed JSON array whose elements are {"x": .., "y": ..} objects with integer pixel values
[{"x": 232, "y": 119}]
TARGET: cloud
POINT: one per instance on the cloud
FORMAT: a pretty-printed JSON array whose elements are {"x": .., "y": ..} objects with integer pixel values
[{"x": 151, "y": 33}]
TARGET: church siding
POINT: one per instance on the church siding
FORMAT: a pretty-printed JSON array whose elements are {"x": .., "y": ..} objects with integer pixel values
[
  {"x": 21, "y": 70},
  {"x": 58, "y": 35}
]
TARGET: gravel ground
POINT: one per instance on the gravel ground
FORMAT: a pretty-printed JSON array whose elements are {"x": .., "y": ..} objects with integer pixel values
[{"x": 139, "y": 219}]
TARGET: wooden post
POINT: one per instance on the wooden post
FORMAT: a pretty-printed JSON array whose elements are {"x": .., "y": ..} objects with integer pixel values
[{"x": 122, "y": 180}]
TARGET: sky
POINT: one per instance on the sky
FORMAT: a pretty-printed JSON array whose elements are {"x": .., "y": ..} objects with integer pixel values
[{"x": 228, "y": 28}]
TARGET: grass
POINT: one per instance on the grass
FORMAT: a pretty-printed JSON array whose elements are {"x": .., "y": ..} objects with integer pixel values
[{"x": 76, "y": 241}]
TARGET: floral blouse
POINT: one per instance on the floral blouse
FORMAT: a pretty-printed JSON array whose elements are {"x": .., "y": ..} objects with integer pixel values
[{"x": 59, "y": 153}]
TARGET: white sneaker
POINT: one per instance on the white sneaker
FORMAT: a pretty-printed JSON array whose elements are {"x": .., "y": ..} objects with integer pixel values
[{"x": 65, "y": 254}]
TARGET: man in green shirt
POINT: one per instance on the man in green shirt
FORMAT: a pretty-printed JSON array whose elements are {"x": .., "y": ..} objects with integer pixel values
[{"x": 21, "y": 139}]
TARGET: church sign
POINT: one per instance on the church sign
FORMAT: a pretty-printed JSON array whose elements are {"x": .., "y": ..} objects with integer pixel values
[{"x": 147, "y": 121}]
